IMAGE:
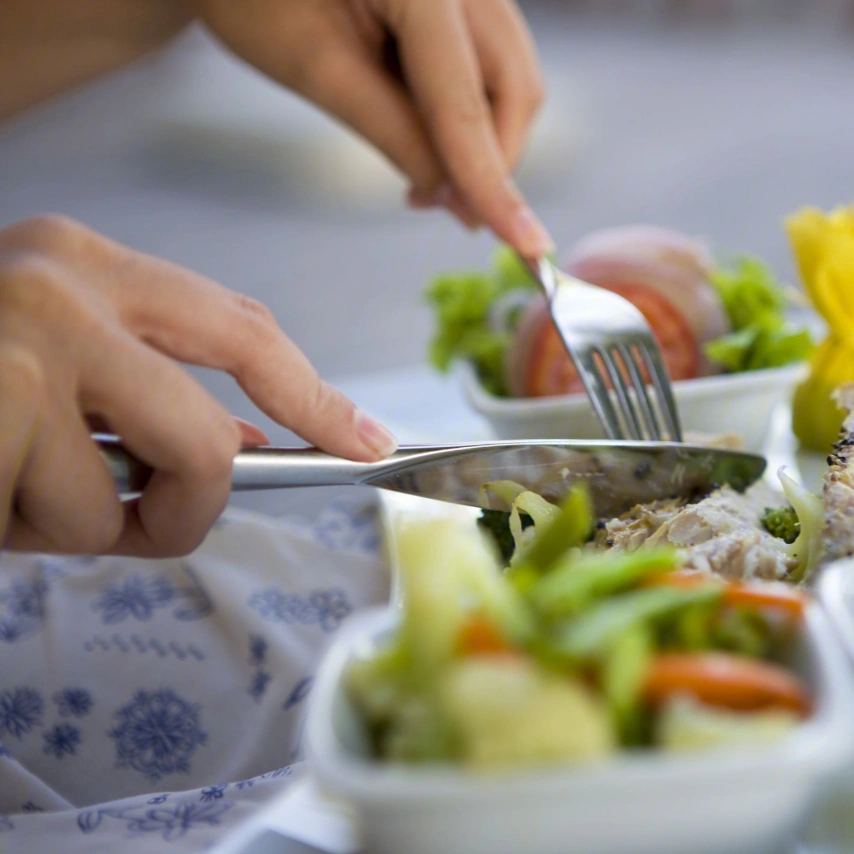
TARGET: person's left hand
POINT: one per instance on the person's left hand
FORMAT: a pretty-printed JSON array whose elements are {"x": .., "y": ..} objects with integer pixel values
[{"x": 447, "y": 89}]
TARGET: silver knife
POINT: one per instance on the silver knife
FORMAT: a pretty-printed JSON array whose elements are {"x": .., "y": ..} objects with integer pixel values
[{"x": 618, "y": 475}]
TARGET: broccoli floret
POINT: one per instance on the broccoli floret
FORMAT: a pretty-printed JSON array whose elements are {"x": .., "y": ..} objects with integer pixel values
[
  {"x": 497, "y": 523},
  {"x": 782, "y": 522}
]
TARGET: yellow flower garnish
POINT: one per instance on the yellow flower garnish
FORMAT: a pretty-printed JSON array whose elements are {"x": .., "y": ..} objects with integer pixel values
[{"x": 824, "y": 249}]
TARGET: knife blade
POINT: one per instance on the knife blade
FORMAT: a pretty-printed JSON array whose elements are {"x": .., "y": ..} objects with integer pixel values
[{"x": 618, "y": 475}]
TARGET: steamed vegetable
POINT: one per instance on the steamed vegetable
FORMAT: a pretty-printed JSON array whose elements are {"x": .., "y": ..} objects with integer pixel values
[
  {"x": 685, "y": 724},
  {"x": 569, "y": 654},
  {"x": 781, "y": 522},
  {"x": 706, "y": 319},
  {"x": 823, "y": 245}
]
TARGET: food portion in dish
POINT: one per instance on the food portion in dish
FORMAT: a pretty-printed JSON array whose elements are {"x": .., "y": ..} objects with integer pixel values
[
  {"x": 708, "y": 319},
  {"x": 569, "y": 654},
  {"x": 760, "y": 533}
]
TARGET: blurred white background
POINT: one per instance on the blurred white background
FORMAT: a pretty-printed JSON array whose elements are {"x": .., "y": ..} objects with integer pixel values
[{"x": 717, "y": 117}]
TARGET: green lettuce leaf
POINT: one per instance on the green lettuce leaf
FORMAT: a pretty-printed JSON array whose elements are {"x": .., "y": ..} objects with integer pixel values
[
  {"x": 461, "y": 305},
  {"x": 762, "y": 336}
]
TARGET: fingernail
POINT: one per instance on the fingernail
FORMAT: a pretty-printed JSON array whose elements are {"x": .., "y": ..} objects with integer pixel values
[
  {"x": 251, "y": 435},
  {"x": 374, "y": 435},
  {"x": 529, "y": 234}
]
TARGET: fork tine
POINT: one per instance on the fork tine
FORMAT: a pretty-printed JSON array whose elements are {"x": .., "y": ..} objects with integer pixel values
[
  {"x": 646, "y": 414},
  {"x": 597, "y": 390},
  {"x": 624, "y": 398},
  {"x": 661, "y": 383}
]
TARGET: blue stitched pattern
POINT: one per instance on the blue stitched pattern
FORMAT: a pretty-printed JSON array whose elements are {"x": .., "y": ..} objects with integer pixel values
[
  {"x": 73, "y": 702},
  {"x": 157, "y": 734},
  {"x": 21, "y": 709},
  {"x": 131, "y": 643},
  {"x": 257, "y": 649},
  {"x": 134, "y": 597},
  {"x": 170, "y": 822},
  {"x": 138, "y": 597},
  {"x": 213, "y": 793},
  {"x": 22, "y": 605},
  {"x": 299, "y": 693},
  {"x": 327, "y": 608},
  {"x": 258, "y": 684},
  {"x": 61, "y": 740}
]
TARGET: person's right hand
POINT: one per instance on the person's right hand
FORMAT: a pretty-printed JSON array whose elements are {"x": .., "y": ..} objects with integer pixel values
[{"x": 89, "y": 331}]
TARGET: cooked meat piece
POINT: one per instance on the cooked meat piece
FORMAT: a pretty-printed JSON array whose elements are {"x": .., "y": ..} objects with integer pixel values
[
  {"x": 720, "y": 534},
  {"x": 725, "y": 441},
  {"x": 838, "y": 492}
]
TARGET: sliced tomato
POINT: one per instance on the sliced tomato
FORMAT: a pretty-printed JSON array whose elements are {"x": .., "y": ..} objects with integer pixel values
[{"x": 549, "y": 370}]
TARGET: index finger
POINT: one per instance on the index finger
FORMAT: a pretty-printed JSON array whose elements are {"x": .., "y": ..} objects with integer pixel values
[
  {"x": 442, "y": 70},
  {"x": 195, "y": 320}
]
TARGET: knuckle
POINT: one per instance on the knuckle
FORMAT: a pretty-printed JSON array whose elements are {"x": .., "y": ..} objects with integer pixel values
[
  {"x": 255, "y": 313},
  {"x": 30, "y": 286},
  {"x": 101, "y": 532},
  {"x": 213, "y": 451},
  {"x": 52, "y": 234},
  {"x": 466, "y": 105},
  {"x": 21, "y": 374}
]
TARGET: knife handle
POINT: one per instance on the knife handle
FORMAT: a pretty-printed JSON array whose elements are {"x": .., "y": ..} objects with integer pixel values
[{"x": 254, "y": 468}]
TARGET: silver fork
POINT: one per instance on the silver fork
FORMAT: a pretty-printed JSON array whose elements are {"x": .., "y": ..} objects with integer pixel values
[{"x": 611, "y": 343}]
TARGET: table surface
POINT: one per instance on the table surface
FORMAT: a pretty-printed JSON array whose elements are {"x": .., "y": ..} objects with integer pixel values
[{"x": 719, "y": 131}]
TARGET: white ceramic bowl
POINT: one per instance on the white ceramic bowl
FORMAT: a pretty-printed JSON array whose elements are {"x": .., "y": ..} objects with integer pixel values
[
  {"x": 743, "y": 800},
  {"x": 729, "y": 403}
]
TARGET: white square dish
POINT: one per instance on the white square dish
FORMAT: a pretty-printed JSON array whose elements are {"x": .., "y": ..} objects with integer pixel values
[
  {"x": 728, "y": 403},
  {"x": 745, "y": 800}
]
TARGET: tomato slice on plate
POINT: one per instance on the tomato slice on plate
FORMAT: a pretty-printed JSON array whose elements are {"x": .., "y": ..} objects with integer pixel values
[{"x": 550, "y": 371}]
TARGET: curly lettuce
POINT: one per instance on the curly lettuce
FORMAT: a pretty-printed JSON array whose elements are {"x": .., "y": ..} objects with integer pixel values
[
  {"x": 463, "y": 305},
  {"x": 761, "y": 335}
]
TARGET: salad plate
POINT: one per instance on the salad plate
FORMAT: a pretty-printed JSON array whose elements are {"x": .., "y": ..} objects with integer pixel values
[
  {"x": 741, "y": 404},
  {"x": 753, "y": 798},
  {"x": 746, "y": 800}
]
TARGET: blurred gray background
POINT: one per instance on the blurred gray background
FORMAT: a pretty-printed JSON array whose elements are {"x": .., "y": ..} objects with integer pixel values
[{"x": 717, "y": 117}]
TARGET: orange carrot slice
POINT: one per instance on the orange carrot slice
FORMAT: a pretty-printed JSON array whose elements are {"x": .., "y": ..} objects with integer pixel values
[{"x": 720, "y": 679}]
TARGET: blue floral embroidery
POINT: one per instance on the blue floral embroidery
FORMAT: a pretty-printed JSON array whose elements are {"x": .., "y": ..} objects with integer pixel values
[
  {"x": 258, "y": 684},
  {"x": 136, "y": 597},
  {"x": 73, "y": 702},
  {"x": 24, "y": 602},
  {"x": 279, "y": 772},
  {"x": 157, "y": 734},
  {"x": 4, "y": 751},
  {"x": 213, "y": 793},
  {"x": 245, "y": 784},
  {"x": 6, "y": 823},
  {"x": 328, "y": 608},
  {"x": 20, "y": 710},
  {"x": 29, "y": 806},
  {"x": 170, "y": 822},
  {"x": 257, "y": 649},
  {"x": 158, "y": 799},
  {"x": 299, "y": 693},
  {"x": 174, "y": 822},
  {"x": 343, "y": 526},
  {"x": 62, "y": 740}
]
